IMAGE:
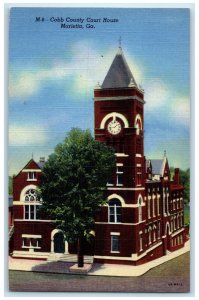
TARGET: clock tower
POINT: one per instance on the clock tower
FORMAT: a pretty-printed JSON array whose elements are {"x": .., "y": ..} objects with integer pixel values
[{"x": 119, "y": 122}]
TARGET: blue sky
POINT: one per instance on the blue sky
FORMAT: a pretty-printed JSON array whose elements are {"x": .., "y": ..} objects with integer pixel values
[{"x": 53, "y": 71}]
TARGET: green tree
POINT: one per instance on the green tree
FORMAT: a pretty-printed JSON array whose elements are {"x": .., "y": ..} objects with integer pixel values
[
  {"x": 10, "y": 188},
  {"x": 74, "y": 183},
  {"x": 185, "y": 181}
]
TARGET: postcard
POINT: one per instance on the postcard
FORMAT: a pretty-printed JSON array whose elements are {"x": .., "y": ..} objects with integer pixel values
[{"x": 99, "y": 148}]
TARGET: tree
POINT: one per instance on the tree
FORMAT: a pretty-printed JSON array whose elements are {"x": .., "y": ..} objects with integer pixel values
[
  {"x": 185, "y": 180},
  {"x": 74, "y": 183},
  {"x": 10, "y": 182}
]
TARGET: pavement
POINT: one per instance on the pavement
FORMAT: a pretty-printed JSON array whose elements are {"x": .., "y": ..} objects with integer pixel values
[{"x": 61, "y": 267}]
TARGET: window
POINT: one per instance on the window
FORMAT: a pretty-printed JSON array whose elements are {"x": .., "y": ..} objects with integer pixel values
[
  {"x": 31, "y": 212},
  {"x": 140, "y": 209},
  {"x": 154, "y": 233},
  {"x": 32, "y": 202},
  {"x": 149, "y": 230},
  {"x": 141, "y": 238},
  {"x": 114, "y": 211},
  {"x": 31, "y": 196},
  {"x": 158, "y": 204},
  {"x": 153, "y": 204},
  {"x": 139, "y": 176},
  {"x": 149, "y": 208},
  {"x": 32, "y": 176},
  {"x": 159, "y": 230},
  {"x": 119, "y": 175},
  {"x": 114, "y": 243},
  {"x": 34, "y": 243}
]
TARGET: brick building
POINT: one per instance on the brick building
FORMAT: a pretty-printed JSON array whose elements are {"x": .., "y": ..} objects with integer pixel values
[{"x": 144, "y": 217}]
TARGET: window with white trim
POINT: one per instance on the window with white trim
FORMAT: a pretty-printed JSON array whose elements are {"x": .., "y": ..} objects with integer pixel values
[
  {"x": 140, "y": 201},
  {"x": 149, "y": 207},
  {"x": 119, "y": 175},
  {"x": 32, "y": 176},
  {"x": 31, "y": 243},
  {"x": 158, "y": 229},
  {"x": 32, "y": 202},
  {"x": 114, "y": 211},
  {"x": 114, "y": 243},
  {"x": 149, "y": 231},
  {"x": 141, "y": 240},
  {"x": 139, "y": 176}
]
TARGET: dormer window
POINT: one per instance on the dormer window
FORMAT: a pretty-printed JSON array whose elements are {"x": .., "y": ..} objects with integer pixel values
[{"x": 32, "y": 176}]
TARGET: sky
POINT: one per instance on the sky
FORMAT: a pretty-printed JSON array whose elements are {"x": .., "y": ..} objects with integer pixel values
[{"x": 53, "y": 71}]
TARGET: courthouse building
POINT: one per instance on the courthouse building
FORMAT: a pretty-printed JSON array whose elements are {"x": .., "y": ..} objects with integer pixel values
[{"x": 144, "y": 215}]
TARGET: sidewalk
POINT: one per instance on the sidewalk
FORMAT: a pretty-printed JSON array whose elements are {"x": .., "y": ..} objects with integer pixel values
[{"x": 97, "y": 269}]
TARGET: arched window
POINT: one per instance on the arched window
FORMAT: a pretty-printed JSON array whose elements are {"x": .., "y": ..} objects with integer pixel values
[
  {"x": 31, "y": 196},
  {"x": 32, "y": 201},
  {"x": 114, "y": 211},
  {"x": 140, "y": 201},
  {"x": 138, "y": 124},
  {"x": 149, "y": 231}
]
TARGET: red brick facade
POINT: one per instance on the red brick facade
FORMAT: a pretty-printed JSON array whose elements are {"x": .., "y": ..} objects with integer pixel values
[{"x": 144, "y": 217}]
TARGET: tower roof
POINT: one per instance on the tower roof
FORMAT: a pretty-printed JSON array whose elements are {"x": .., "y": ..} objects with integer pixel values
[{"x": 119, "y": 74}]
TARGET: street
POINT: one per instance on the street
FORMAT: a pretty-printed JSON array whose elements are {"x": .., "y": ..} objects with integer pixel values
[{"x": 172, "y": 276}]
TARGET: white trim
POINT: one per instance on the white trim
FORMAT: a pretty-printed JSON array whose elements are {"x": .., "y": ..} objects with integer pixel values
[
  {"x": 138, "y": 155},
  {"x": 114, "y": 233},
  {"x": 138, "y": 165},
  {"x": 31, "y": 170},
  {"x": 176, "y": 233},
  {"x": 119, "y": 165},
  {"x": 138, "y": 117},
  {"x": 119, "y": 98},
  {"x": 131, "y": 224},
  {"x": 121, "y": 155},
  {"x": 134, "y": 257},
  {"x": 24, "y": 220},
  {"x": 31, "y": 236},
  {"x": 25, "y": 189},
  {"x": 32, "y": 179},
  {"x": 114, "y": 115},
  {"x": 126, "y": 189},
  {"x": 53, "y": 232},
  {"x": 116, "y": 196}
]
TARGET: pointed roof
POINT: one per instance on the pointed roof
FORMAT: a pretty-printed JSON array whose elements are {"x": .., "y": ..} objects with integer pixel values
[{"x": 119, "y": 74}]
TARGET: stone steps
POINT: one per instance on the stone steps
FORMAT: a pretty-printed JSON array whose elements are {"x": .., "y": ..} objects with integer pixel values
[{"x": 69, "y": 258}]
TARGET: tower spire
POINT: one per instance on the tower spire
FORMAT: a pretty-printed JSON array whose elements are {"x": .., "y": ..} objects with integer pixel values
[{"x": 120, "y": 42}]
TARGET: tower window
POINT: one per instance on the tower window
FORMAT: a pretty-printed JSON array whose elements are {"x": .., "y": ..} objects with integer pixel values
[
  {"x": 139, "y": 176},
  {"x": 114, "y": 211},
  {"x": 119, "y": 175}
]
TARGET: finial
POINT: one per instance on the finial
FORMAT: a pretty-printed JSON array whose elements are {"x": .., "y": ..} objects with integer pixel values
[
  {"x": 165, "y": 153},
  {"x": 98, "y": 86},
  {"x": 120, "y": 42},
  {"x": 132, "y": 83}
]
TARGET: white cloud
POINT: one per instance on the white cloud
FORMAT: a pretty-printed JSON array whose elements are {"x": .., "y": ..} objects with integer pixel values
[
  {"x": 27, "y": 135},
  {"x": 180, "y": 109},
  {"x": 156, "y": 94},
  {"x": 84, "y": 64}
]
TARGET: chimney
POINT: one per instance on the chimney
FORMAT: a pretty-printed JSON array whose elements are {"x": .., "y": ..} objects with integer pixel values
[
  {"x": 42, "y": 160},
  {"x": 176, "y": 177}
]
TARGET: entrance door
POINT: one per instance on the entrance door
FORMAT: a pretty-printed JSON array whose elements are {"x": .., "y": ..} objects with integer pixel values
[{"x": 59, "y": 244}]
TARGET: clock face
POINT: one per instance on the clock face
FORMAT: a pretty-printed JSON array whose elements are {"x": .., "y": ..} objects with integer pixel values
[{"x": 114, "y": 127}]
